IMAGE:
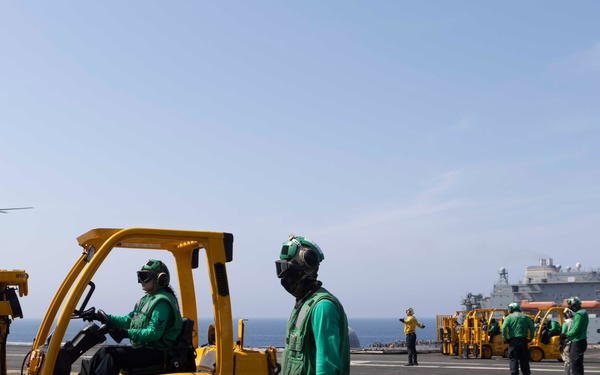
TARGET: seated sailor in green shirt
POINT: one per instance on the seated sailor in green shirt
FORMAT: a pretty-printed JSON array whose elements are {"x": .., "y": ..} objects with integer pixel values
[{"x": 152, "y": 326}]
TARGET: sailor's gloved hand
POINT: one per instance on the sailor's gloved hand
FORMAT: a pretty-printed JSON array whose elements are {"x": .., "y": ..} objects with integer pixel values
[
  {"x": 89, "y": 315},
  {"x": 119, "y": 334},
  {"x": 423, "y": 326},
  {"x": 401, "y": 319}
]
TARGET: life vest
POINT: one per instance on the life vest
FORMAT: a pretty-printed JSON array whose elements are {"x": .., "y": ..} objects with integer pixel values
[
  {"x": 143, "y": 313},
  {"x": 299, "y": 353}
]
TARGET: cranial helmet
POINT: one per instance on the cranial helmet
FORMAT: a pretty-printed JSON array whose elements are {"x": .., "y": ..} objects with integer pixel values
[
  {"x": 154, "y": 270},
  {"x": 299, "y": 253},
  {"x": 514, "y": 307},
  {"x": 410, "y": 311},
  {"x": 574, "y": 303}
]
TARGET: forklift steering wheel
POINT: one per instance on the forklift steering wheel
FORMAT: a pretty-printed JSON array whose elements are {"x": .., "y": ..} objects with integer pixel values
[{"x": 103, "y": 318}]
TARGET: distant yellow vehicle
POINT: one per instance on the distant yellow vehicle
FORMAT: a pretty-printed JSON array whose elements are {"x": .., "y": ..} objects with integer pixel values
[
  {"x": 221, "y": 355},
  {"x": 545, "y": 343},
  {"x": 10, "y": 308},
  {"x": 467, "y": 334}
]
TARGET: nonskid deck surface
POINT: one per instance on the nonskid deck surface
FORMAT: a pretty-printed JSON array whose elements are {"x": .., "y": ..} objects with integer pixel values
[{"x": 384, "y": 364}]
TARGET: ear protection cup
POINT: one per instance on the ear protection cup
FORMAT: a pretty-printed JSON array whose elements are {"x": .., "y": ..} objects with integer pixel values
[
  {"x": 309, "y": 257},
  {"x": 162, "y": 279}
]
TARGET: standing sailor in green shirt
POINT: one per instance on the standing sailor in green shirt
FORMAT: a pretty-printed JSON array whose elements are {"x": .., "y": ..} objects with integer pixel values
[
  {"x": 518, "y": 330},
  {"x": 316, "y": 339},
  {"x": 577, "y": 334}
]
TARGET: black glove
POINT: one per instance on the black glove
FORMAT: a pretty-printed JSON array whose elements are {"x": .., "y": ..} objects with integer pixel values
[
  {"x": 89, "y": 315},
  {"x": 506, "y": 341},
  {"x": 423, "y": 326},
  {"x": 401, "y": 319},
  {"x": 563, "y": 336},
  {"x": 119, "y": 334}
]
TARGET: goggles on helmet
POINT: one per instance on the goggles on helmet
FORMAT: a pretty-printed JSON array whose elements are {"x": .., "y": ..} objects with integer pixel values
[
  {"x": 144, "y": 276},
  {"x": 283, "y": 267}
]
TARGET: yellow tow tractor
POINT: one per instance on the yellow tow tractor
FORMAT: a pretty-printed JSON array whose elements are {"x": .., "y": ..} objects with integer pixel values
[
  {"x": 220, "y": 355},
  {"x": 10, "y": 307},
  {"x": 545, "y": 341}
]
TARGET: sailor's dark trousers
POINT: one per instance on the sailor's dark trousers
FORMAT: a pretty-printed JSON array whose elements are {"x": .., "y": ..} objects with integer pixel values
[
  {"x": 518, "y": 354},
  {"x": 577, "y": 350},
  {"x": 111, "y": 359},
  {"x": 411, "y": 346}
]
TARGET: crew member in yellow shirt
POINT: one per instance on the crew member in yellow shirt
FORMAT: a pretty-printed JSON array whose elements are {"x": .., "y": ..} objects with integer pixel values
[{"x": 410, "y": 323}]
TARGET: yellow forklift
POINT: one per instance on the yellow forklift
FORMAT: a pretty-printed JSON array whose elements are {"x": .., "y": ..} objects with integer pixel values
[
  {"x": 10, "y": 308},
  {"x": 53, "y": 355},
  {"x": 466, "y": 333},
  {"x": 545, "y": 341},
  {"x": 449, "y": 332},
  {"x": 444, "y": 332},
  {"x": 484, "y": 339}
]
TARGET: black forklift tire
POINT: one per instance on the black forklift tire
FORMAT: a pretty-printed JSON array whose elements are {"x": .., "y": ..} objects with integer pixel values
[
  {"x": 486, "y": 352},
  {"x": 536, "y": 354}
]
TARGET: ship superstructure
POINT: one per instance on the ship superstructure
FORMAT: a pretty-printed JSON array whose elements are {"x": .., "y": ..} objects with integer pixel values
[{"x": 546, "y": 285}]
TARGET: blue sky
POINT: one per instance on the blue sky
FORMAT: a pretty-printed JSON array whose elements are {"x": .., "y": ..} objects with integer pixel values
[{"x": 423, "y": 145}]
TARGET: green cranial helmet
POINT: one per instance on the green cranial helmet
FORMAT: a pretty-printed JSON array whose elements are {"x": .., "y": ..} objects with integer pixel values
[
  {"x": 514, "y": 307},
  {"x": 574, "y": 303},
  {"x": 154, "y": 270},
  {"x": 299, "y": 253}
]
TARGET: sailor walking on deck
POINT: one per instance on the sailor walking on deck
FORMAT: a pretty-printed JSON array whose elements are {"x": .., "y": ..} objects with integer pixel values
[
  {"x": 410, "y": 323},
  {"x": 577, "y": 334},
  {"x": 517, "y": 331}
]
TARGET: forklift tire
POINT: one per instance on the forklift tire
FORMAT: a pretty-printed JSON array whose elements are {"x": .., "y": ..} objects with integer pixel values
[
  {"x": 486, "y": 352},
  {"x": 536, "y": 354}
]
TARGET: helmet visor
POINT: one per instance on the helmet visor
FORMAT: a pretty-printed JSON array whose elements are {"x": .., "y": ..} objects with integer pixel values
[
  {"x": 144, "y": 276},
  {"x": 283, "y": 267}
]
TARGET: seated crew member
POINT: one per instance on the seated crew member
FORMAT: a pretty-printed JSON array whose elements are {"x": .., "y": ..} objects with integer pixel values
[{"x": 152, "y": 326}]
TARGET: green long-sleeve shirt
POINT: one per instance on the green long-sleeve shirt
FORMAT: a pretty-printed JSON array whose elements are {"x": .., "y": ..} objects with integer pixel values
[
  {"x": 325, "y": 321},
  {"x": 154, "y": 321},
  {"x": 578, "y": 330},
  {"x": 316, "y": 340},
  {"x": 517, "y": 325}
]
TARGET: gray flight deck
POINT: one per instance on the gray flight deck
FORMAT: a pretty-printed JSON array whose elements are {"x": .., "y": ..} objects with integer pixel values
[{"x": 384, "y": 364}]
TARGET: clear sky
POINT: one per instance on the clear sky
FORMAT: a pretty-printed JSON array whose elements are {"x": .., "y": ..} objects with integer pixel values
[{"x": 422, "y": 144}]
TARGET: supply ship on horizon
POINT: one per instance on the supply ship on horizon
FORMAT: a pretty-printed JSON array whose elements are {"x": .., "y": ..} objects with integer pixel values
[{"x": 546, "y": 285}]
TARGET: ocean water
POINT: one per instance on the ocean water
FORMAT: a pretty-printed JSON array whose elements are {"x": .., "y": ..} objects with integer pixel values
[{"x": 259, "y": 332}]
